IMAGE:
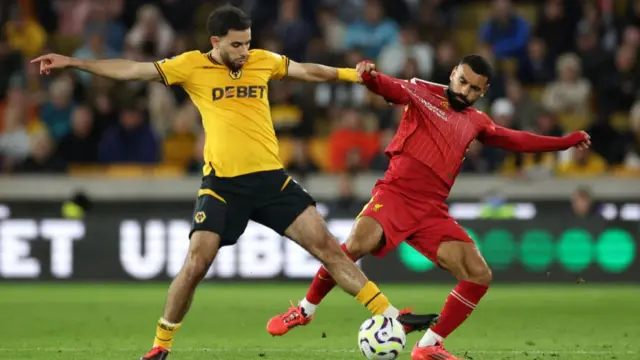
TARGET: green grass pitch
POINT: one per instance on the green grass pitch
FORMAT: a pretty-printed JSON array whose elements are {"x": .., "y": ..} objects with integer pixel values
[{"x": 227, "y": 321}]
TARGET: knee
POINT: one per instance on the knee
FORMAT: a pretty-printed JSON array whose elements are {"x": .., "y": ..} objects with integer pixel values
[
  {"x": 481, "y": 275},
  {"x": 356, "y": 248},
  {"x": 195, "y": 266}
]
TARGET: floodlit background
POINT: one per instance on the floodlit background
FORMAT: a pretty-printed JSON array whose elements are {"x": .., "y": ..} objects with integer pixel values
[{"x": 98, "y": 178}]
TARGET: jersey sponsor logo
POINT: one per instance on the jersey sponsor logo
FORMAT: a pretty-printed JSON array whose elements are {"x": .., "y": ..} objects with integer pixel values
[
  {"x": 239, "y": 92},
  {"x": 235, "y": 74}
]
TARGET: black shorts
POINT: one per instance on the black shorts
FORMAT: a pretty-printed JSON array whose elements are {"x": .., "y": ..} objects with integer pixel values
[{"x": 225, "y": 205}]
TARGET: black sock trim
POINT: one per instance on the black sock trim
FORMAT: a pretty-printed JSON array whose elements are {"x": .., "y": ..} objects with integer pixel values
[{"x": 374, "y": 296}]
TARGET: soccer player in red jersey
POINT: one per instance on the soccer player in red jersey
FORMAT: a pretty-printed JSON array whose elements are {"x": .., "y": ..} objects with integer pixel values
[{"x": 408, "y": 204}]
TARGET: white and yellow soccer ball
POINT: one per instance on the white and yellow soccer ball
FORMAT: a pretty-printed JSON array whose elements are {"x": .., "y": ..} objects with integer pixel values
[{"x": 381, "y": 338}]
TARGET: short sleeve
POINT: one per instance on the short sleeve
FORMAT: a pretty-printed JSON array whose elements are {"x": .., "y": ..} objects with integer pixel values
[
  {"x": 279, "y": 65},
  {"x": 175, "y": 70}
]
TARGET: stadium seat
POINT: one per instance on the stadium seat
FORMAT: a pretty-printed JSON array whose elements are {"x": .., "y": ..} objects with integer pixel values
[
  {"x": 466, "y": 40},
  {"x": 168, "y": 170},
  {"x": 509, "y": 67},
  {"x": 623, "y": 171},
  {"x": 619, "y": 121},
  {"x": 573, "y": 121},
  {"x": 535, "y": 92},
  {"x": 286, "y": 148},
  {"x": 319, "y": 152},
  {"x": 126, "y": 171}
]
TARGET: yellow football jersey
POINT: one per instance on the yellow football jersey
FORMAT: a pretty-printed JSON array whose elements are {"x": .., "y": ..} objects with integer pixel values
[{"x": 239, "y": 134}]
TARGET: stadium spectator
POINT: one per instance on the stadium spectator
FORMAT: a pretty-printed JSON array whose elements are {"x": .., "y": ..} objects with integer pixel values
[
  {"x": 43, "y": 157},
  {"x": 380, "y": 161},
  {"x": 151, "y": 33},
  {"x": 197, "y": 158},
  {"x": 14, "y": 139},
  {"x": 632, "y": 139},
  {"x": 592, "y": 55},
  {"x": 333, "y": 29},
  {"x": 80, "y": 144},
  {"x": 570, "y": 92},
  {"x": 506, "y": 32},
  {"x": 129, "y": 141},
  {"x": 537, "y": 68},
  {"x": 94, "y": 48},
  {"x": 434, "y": 19},
  {"x": 526, "y": 110},
  {"x": 582, "y": 163},
  {"x": 619, "y": 84},
  {"x": 350, "y": 145},
  {"x": 177, "y": 146},
  {"x": 474, "y": 162},
  {"x": 445, "y": 60},
  {"x": 301, "y": 163},
  {"x": 373, "y": 32},
  {"x": 294, "y": 31},
  {"x": 583, "y": 205},
  {"x": 539, "y": 165},
  {"x": 434, "y": 34},
  {"x": 394, "y": 56},
  {"x": 56, "y": 111},
  {"x": 556, "y": 27},
  {"x": 25, "y": 34}
]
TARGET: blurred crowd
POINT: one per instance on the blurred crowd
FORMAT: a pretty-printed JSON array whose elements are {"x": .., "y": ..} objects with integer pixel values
[{"x": 561, "y": 65}]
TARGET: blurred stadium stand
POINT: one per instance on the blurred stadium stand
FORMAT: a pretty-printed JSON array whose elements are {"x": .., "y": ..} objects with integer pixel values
[{"x": 561, "y": 65}]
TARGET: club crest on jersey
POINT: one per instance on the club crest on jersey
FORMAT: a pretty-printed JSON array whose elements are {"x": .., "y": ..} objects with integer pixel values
[
  {"x": 200, "y": 217},
  {"x": 235, "y": 74},
  {"x": 445, "y": 105}
]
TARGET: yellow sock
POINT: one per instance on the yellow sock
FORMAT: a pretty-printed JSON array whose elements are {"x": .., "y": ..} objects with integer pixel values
[
  {"x": 371, "y": 297},
  {"x": 164, "y": 333}
]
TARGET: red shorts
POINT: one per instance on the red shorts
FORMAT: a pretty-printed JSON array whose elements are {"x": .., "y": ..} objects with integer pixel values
[{"x": 422, "y": 224}]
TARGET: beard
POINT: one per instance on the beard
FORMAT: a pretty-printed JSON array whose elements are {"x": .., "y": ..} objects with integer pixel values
[
  {"x": 226, "y": 59},
  {"x": 458, "y": 101}
]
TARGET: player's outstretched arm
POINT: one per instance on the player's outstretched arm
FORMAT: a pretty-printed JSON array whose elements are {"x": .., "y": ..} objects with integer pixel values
[
  {"x": 522, "y": 141},
  {"x": 118, "y": 69},
  {"x": 320, "y": 73},
  {"x": 386, "y": 86}
]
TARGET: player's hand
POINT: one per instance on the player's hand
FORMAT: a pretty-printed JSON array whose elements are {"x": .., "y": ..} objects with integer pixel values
[
  {"x": 583, "y": 140},
  {"x": 51, "y": 61},
  {"x": 366, "y": 67}
]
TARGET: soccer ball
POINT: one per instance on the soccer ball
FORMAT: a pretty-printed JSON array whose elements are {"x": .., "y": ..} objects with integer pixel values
[{"x": 381, "y": 338}]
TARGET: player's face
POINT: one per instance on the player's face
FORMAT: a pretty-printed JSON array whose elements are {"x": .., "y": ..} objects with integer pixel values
[
  {"x": 233, "y": 48},
  {"x": 465, "y": 87}
]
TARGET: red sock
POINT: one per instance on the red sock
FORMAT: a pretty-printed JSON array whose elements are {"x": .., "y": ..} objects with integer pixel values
[
  {"x": 323, "y": 283},
  {"x": 459, "y": 305}
]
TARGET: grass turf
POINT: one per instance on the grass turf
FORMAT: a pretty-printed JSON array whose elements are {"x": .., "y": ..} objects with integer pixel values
[{"x": 227, "y": 321}]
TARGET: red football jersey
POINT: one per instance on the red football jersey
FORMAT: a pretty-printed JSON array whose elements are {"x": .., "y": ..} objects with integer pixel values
[
  {"x": 433, "y": 133},
  {"x": 428, "y": 149}
]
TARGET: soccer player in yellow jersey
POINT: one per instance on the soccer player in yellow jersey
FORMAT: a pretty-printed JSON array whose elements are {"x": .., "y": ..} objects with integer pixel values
[{"x": 243, "y": 177}]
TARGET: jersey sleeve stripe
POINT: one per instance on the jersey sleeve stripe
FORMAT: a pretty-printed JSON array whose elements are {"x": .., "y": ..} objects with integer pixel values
[{"x": 164, "y": 78}]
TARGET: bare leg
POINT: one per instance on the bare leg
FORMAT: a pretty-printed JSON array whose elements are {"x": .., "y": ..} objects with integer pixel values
[{"x": 202, "y": 251}]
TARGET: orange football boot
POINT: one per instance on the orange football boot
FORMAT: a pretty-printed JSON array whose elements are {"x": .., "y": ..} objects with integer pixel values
[
  {"x": 281, "y": 324},
  {"x": 434, "y": 352}
]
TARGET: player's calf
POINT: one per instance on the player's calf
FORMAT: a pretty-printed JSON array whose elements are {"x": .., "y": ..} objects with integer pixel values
[
  {"x": 464, "y": 261},
  {"x": 202, "y": 251},
  {"x": 310, "y": 231}
]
